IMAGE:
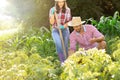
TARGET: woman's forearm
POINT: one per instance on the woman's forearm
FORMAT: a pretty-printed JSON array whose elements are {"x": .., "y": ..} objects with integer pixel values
[{"x": 52, "y": 20}]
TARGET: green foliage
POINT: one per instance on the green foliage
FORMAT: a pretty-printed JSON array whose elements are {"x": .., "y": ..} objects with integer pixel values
[
  {"x": 112, "y": 71},
  {"x": 109, "y": 26},
  {"x": 19, "y": 66},
  {"x": 92, "y": 64},
  {"x": 115, "y": 48},
  {"x": 34, "y": 40},
  {"x": 116, "y": 55},
  {"x": 30, "y": 55},
  {"x": 12, "y": 66},
  {"x": 112, "y": 44}
]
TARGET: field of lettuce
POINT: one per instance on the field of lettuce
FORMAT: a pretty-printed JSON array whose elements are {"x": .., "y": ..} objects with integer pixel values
[{"x": 31, "y": 55}]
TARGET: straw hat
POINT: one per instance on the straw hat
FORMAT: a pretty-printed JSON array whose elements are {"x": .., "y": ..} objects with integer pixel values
[
  {"x": 76, "y": 21},
  {"x": 60, "y": 0}
]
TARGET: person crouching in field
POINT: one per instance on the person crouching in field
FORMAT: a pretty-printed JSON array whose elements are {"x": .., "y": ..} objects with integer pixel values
[{"x": 86, "y": 36}]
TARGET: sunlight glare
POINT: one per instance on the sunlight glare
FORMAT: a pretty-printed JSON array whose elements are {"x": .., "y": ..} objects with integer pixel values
[{"x": 3, "y": 3}]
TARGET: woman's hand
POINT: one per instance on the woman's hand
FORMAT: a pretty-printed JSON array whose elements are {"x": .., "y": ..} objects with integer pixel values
[
  {"x": 61, "y": 27},
  {"x": 65, "y": 25}
]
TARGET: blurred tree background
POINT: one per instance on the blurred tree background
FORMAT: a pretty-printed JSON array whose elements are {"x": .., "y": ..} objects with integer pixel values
[{"x": 35, "y": 13}]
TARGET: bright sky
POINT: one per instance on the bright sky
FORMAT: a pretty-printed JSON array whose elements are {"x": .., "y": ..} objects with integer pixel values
[
  {"x": 6, "y": 20},
  {"x": 3, "y": 3}
]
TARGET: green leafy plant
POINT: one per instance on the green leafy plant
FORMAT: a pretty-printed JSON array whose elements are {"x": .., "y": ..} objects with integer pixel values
[
  {"x": 86, "y": 65},
  {"x": 34, "y": 40},
  {"x": 19, "y": 66},
  {"x": 109, "y": 26}
]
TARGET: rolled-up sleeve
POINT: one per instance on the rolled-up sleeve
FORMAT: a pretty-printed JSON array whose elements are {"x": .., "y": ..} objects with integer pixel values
[
  {"x": 50, "y": 12},
  {"x": 68, "y": 17}
]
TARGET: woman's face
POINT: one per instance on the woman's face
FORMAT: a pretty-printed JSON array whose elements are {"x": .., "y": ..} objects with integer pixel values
[{"x": 61, "y": 4}]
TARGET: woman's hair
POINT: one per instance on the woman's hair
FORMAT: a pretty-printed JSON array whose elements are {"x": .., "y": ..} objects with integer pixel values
[{"x": 58, "y": 8}]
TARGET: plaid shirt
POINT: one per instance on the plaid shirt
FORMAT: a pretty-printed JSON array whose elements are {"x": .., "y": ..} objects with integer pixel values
[
  {"x": 83, "y": 39},
  {"x": 62, "y": 17}
]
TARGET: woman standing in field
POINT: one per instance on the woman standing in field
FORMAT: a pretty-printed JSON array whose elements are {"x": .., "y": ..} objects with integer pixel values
[{"x": 59, "y": 16}]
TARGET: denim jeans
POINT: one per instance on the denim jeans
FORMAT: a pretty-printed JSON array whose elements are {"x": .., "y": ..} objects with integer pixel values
[{"x": 57, "y": 40}]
